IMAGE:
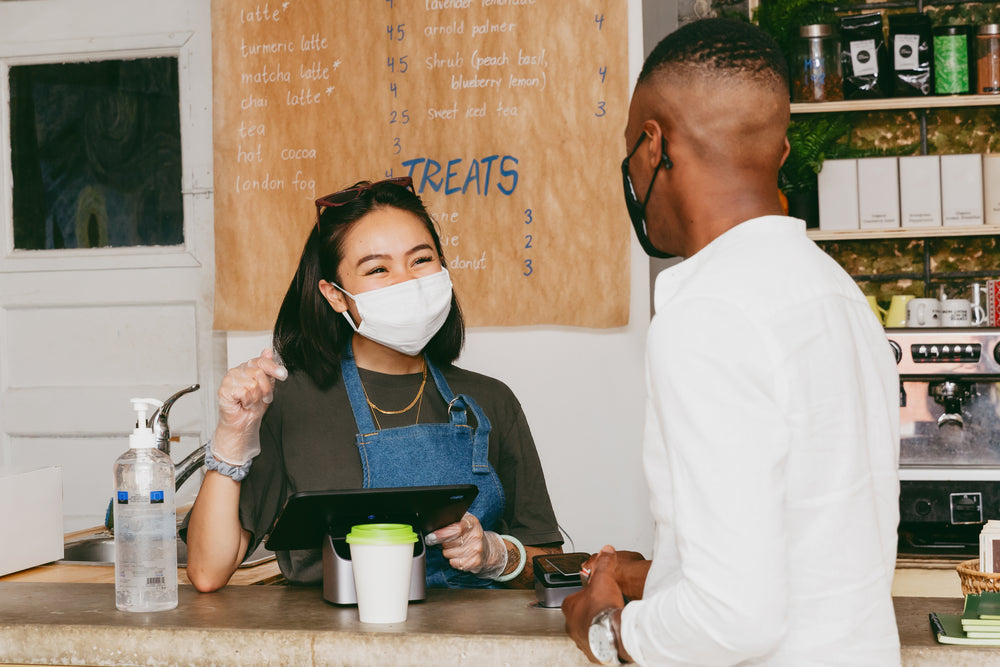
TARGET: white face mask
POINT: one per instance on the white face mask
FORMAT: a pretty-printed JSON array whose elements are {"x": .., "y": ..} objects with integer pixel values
[{"x": 405, "y": 316}]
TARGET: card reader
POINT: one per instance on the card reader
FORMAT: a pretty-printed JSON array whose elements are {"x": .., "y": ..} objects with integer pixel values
[{"x": 557, "y": 576}]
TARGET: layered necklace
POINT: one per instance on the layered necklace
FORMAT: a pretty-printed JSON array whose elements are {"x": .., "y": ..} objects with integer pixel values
[{"x": 417, "y": 401}]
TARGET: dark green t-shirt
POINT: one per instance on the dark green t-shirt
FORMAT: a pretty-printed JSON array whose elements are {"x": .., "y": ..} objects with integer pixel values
[{"x": 308, "y": 444}]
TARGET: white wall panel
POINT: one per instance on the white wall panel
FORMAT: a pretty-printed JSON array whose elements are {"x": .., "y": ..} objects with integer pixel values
[{"x": 105, "y": 345}]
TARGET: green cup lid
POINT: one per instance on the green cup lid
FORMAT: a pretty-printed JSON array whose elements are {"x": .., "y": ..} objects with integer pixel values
[{"x": 381, "y": 533}]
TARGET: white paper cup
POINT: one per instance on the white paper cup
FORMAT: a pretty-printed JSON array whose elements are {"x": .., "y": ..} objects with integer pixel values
[{"x": 382, "y": 558}]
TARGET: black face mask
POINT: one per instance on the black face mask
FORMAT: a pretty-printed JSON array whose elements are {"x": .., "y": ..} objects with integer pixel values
[{"x": 636, "y": 210}]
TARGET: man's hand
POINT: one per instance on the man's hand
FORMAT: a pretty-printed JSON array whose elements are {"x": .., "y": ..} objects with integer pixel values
[
  {"x": 600, "y": 591},
  {"x": 631, "y": 568}
]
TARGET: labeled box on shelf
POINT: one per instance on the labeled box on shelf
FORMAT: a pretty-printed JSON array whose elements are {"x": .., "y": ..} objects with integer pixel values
[
  {"x": 32, "y": 523},
  {"x": 920, "y": 191},
  {"x": 991, "y": 188},
  {"x": 838, "y": 195},
  {"x": 962, "y": 190},
  {"x": 878, "y": 193}
]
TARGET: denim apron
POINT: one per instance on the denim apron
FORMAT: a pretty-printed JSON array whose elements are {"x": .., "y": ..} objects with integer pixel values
[{"x": 427, "y": 455}]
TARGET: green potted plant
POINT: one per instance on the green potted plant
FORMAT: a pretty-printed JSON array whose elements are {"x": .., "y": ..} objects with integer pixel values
[{"x": 813, "y": 139}]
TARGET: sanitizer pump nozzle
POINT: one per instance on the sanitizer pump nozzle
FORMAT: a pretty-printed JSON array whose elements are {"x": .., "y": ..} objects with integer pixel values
[{"x": 142, "y": 436}]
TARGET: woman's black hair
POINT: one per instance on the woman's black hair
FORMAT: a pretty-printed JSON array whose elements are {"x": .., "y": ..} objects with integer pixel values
[{"x": 309, "y": 335}]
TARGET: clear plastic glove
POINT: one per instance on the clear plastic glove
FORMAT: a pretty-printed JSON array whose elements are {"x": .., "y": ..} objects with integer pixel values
[
  {"x": 470, "y": 548},
  {"x": 244, "y": 396}
]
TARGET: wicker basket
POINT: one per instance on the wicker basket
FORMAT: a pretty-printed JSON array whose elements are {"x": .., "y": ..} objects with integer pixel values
[{"x": 974, "y": 581}]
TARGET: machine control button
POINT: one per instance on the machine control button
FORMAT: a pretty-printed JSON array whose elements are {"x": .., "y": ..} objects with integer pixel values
[
  {"x": 923, "y": 507},
  {"x": 897, "y": 351}
]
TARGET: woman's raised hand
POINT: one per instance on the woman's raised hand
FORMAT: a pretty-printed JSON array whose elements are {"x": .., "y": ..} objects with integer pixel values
[
  {"x": 244, "y": 395},
  {"x": 470, "y": 548}
]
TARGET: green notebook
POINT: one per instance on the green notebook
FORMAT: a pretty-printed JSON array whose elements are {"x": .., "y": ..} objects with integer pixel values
[
  {"x": 948, "y": 630},
  {"x": 982, "y": 610}
]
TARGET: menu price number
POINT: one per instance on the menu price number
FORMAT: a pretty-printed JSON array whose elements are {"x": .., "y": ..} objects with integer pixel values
[
  {"x": 396, "y": 32},
  {"x": 528, "y": 238},
  {"x": 397, "y": 66}
]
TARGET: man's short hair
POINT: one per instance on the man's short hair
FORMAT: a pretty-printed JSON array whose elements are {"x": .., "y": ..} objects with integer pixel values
[{"x": 719, "y": 46}]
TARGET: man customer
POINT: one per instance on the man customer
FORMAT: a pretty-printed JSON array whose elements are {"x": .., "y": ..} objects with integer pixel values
[{"x": 772, "y": 425}]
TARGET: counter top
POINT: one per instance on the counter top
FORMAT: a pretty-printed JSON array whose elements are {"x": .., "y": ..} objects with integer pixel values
[
  {"x": 74, "y": 573},
  {"x": 52, "y": 623}
]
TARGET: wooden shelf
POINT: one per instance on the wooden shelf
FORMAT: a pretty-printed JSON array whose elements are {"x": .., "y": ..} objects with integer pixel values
[
  {"x": 912, "y": 233},
  {"x": 889, "y": 103}
]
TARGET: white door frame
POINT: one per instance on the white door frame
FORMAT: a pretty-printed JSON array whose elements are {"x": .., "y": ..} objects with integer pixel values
[{"x": 82, "y": 331}]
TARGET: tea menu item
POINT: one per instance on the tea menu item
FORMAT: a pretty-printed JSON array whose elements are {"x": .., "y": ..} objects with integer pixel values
[{"x": 507, "y": 114}]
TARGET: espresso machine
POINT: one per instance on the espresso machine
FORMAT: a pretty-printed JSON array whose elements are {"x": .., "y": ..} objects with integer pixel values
[{"x": 949, "y": 461}]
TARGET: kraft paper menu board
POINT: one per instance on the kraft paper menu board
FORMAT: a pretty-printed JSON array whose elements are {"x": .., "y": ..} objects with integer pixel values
[{"x": 508, "y": 114}]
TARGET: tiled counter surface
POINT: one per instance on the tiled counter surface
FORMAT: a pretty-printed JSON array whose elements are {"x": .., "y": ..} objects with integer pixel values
[{"x": 63, "y": 624}]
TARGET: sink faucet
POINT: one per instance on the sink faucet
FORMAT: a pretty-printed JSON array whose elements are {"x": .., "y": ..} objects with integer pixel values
[
  {"x": 158, "y": 420},
  {"x": 161, "y": 434}
]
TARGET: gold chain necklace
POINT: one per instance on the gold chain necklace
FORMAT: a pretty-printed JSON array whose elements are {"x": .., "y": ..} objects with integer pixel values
[{"x": 417, "y": 400}]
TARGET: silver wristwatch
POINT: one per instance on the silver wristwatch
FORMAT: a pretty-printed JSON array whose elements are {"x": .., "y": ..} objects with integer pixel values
[{"x": 602, "y": 638}]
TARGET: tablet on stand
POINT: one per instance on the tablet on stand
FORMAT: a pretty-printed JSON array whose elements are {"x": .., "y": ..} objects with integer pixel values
[{"x": 322, "y": 519}]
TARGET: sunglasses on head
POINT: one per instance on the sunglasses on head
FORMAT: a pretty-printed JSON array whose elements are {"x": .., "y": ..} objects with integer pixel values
[{"x": 348, "y": 195}]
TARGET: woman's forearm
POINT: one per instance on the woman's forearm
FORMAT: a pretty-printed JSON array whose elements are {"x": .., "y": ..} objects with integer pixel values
[{"x": 216, "y": 541}]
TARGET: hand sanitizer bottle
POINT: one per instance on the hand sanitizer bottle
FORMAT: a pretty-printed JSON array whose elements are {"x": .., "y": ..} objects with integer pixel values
[{"x": 145, "y": 522}]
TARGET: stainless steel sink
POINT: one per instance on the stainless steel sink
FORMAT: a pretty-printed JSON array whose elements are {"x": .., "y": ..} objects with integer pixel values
[{"x": 100, "y": 550}]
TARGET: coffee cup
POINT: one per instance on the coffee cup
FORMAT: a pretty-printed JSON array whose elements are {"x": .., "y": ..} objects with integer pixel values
[
  {"x": 922, "y": 313},
  {"x": 877, "y": 309},
  {"x": 382, "y": 558},
  {"x": 895, "y": 317},
  {"x": 956, "y": 313}
]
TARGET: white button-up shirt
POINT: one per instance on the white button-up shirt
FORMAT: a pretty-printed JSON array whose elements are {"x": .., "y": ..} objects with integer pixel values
[{"x": 771, "y": 453}]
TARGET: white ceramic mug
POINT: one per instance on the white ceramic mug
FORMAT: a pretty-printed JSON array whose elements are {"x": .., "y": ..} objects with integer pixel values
[
  {"x": 956, "y": 313},
  {"x": 922, "y": 313}
]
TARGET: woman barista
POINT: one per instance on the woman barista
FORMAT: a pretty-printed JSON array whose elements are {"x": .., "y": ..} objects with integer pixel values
[{"x": 367, "y": 333}]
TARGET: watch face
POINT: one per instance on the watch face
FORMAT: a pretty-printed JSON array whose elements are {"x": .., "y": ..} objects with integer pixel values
[{"x": 602, "y": 644}]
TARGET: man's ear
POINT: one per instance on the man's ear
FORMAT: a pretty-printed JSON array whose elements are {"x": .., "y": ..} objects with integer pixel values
[
  {"x": 785, "y": 152},
  {"x": 656, "y": 141},
  {"x": 333, "y": 296}
]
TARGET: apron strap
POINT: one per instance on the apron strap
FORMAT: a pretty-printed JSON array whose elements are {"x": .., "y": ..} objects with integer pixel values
[
  {"x": 481, "y": 440},
  {"x": 457, "y": 415},
  {"x": 355, "y": 392}
]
